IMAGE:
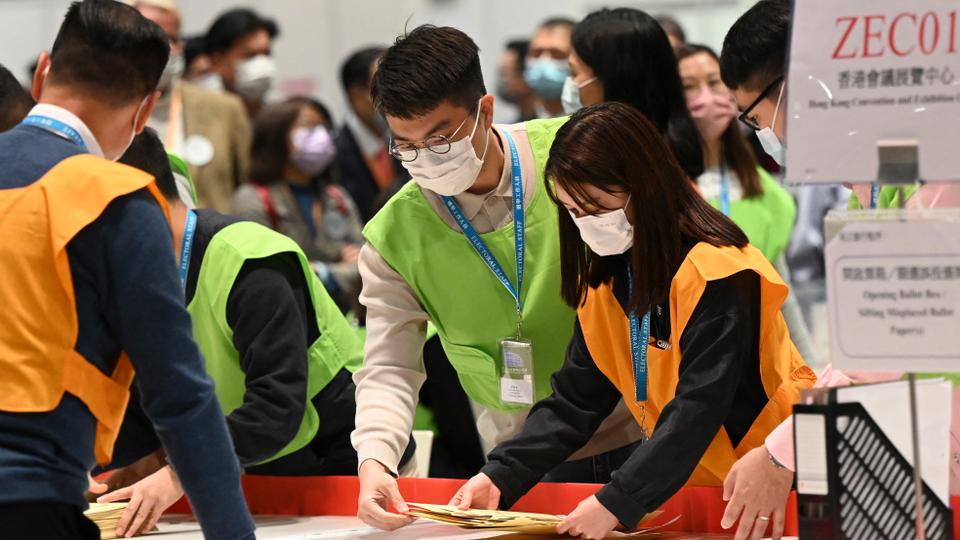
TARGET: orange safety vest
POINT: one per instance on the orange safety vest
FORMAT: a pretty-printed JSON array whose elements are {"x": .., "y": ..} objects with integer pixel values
[
  {"x": 38, "y": 321},
  {"x": 606, "y": 330}
]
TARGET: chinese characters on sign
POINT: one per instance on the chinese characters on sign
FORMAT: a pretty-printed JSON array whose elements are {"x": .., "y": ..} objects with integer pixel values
[
  {"x": 895, "y": 78},
  {"x": 863, "y": 74},
  {"x": 893, "y": 289}
]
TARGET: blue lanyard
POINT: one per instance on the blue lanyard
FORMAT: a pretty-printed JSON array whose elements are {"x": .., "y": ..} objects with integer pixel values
[
  {"x": 55, "y": 126},
  {"x": 518, "y": 231},
  {"x": 187, "y": 246},
  {"x": 874, "y": 195},
  {"x": 724, "y": 191},
  {"x": 639, "y": 338}
]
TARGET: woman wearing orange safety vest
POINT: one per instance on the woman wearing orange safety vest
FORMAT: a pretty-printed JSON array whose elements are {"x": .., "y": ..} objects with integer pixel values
[{"x": 677, "y": 315}]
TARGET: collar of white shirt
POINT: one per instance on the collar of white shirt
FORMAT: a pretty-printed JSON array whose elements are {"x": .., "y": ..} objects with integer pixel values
[
  {"x": 471, "y": 204},
  {"x": 70, "y": 119},
  {"x": 370, "y": 143}
]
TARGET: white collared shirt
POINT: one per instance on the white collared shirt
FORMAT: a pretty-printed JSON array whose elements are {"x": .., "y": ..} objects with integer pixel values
[
  {"x": 371, "y": 144},
  {"x": 70, "y": 119}
]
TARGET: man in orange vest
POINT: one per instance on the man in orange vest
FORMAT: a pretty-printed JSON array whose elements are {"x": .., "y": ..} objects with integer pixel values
[{"x": 90, "y": 292}]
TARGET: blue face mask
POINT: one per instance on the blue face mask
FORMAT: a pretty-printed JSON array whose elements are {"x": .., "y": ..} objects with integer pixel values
[{"x": 545, "y": 76}]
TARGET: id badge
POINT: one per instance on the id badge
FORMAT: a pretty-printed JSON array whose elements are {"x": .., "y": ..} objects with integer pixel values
[{"x": 516, "y": 381}]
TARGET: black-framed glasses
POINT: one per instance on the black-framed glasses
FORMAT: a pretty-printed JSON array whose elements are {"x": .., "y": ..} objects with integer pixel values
[
  {"x": 438, "y": 144},
  {"x": 744, "y": 116}
]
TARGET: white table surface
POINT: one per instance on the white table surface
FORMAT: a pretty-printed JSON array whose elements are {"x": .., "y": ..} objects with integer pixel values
[{"x": 343, "y": 528}]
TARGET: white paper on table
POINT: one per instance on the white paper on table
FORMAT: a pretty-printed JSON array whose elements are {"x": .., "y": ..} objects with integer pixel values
[{"x": 889, "y": 406}]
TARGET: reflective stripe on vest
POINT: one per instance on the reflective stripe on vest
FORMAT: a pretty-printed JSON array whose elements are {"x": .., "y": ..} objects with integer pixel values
[
  {"x": 337, "y": 347},
  {"x": 782, "y": 370},
  {"x": 38, "y": 324}
]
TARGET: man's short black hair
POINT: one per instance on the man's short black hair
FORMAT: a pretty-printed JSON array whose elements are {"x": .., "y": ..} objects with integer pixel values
[
  {"x": 555, "y": 22},
  {"x": 520, "y": 47},
  {"x": 426, "y": 67},
  {"x": 755, "y": 49},
  {"x": 672, "y": 27},
  {"x": 146, "y": 153},
  {"x": 109, "y": 51},
  {"x": 15, "y": 102},
  {"x": 355, "y": 70},
  {"x": 233, "y": 25}
]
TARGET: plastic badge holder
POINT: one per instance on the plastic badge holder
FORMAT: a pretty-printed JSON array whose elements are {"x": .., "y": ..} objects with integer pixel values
[
  {"x": 870, "y": 491},
  {"x": 516, "y": 381}
]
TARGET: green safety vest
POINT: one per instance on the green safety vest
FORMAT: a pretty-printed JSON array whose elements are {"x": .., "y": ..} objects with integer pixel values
[
  {"x": 767, "y": 219},
  {"x": 337, "y": 347},
  {"x": 470, "y": 308},
  {"x": 890, "y": 197}
]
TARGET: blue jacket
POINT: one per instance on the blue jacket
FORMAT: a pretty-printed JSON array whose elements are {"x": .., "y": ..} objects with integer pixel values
[{"x": 129, "y": 298}]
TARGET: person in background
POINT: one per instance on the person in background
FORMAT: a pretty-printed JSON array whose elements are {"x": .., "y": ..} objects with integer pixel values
[
  {"x": 15, "y": 101},
  {"x": 209, "y": 129},
  {"x": 363, "y": 157},
  {"x": 294, "y": 191},
  {"x": 425, "y": 260},
  {"x": 733, "y": 181},
  {"x": 674, "y": 31},
  {"x": 546, "y": 65},
  {"x": 279, "y": 351},
  {"x": 239, "y": 44},
  {"x": 196, "y": 61},
  {"x": 752, "y": 65},
  {"x": 97, "y": 232},
  {"x": 650, "y": 82},
  {"x": 512, "y": 87},
  {"x": 639, "y": 243}
]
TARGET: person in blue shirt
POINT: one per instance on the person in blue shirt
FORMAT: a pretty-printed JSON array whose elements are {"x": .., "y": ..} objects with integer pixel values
[{"x": 95, "y": 91}]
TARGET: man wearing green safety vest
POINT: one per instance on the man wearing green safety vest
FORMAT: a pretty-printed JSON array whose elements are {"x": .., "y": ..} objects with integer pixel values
[
  {"x": 276, "y": 346},
  {"x": 470, "y": 244}
]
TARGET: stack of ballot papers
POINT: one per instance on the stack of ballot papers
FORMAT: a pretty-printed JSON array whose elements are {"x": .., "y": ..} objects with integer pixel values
[
  {"x": 497, "y": 520},
  {"x": 106, "y": 516}
]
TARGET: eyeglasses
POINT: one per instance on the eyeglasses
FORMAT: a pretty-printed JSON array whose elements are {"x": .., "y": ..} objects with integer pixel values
[
  {"x": 744, "y": 116},
  {"x": 438, "y": 144}
]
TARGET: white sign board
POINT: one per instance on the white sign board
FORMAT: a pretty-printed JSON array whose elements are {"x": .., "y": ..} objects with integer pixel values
[
  {"x": 893, "y": 291},
  {"x": 866, "y": 71}
]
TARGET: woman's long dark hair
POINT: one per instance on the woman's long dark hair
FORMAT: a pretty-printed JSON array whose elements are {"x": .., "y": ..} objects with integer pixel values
[
  {"x": 270, "y": 150},
  {"x": 614, "y": 148},
  {"x": 631, "y": 55},
  {"x": 737, "y": 154}
]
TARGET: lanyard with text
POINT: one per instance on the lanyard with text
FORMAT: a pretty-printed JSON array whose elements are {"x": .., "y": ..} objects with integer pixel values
[
  {"x": 724, "y": 191},
  {"x": 187, "y": 247},
  {"x": 55, "y": 126},
  {"x": 518, "y": 226},
  {"x": 639, "y": 338},
  {"x": 874, "y": 195}
]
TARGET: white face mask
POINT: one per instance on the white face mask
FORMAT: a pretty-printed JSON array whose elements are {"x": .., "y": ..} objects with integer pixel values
[
  {"x": 570, "y": 96},
  {"x": 171, "y": 72},
  {"x": 450, "y": 173},
  {"x": 133, "y": 133},
  {"x": 606, "y": 234},
  {"x": 768, "y": 138},
  {"x": 255, "y": 76}
]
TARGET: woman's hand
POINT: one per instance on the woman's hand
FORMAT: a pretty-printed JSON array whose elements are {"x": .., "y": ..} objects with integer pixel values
[
  {"x": 590, "y": 520},
  {"x": 148, "y": 499},
  {"x": 478, "y": 492}
]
